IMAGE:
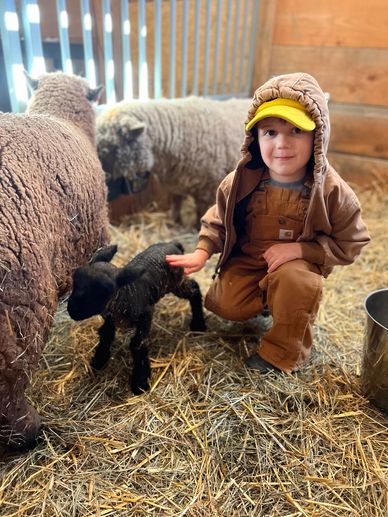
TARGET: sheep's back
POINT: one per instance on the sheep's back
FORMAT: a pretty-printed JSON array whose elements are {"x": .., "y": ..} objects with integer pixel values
[
  {"x": 159, "y": 279},
  {"x": 53, "y": 196},
  {"x": 193, "y": 138}
]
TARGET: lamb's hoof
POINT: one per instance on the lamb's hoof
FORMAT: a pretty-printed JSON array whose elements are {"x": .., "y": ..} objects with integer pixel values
[
  {"x": 198, "y": 326},
  {"x": 98, "y": 364},
  {"x": 140, "y": 387},
  {"x": 23, "y": 433}
]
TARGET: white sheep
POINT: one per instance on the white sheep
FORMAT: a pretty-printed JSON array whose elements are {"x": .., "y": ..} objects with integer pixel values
[
  {"x": 187, "y": 144},
  {"x": 53, "y": 217}
]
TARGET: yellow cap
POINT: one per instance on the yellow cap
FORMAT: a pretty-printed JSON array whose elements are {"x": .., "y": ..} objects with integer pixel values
[{"x": 287, "y": 109}]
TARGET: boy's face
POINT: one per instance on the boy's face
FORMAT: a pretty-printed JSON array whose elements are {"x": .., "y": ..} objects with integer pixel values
[{"x": 285, "y": 149}]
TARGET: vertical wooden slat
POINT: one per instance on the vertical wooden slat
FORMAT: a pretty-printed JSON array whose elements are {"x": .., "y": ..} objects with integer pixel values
[
  {"x": 252, "y": 54},
  {"x": 9, "y": 28},
  {"x": 158, "y": 50},
  {"x": 264, "y": 43},
  {"x": 108, "y": 52},
  {"x": 185, "y": 34},
  {"x": 86, "y": 22},
  {"x": 172, "y": 47},
  {"x": 143, "y": 66},
  {"x": 196, "y": 46},
  {"x": 217, "y": 47},
  {"x": 63, "y": 26},
  {"x": 235, "y": 48},
  {"x": 207, "y": 48},
  {"x": 126, "y": 51},
  {"x": 226, "y": 47},
  {"x": 244, "y": 39},
  {"x": 32, "y": 38}
]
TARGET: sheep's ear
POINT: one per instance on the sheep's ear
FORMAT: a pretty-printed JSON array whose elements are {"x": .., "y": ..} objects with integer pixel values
[
  {"x": 129, "y": 274},
  {"x": 94, "y": 93},
  {"x": 104, "y": 254},
  {"x": 131, "y": 127},
  {"x": 32, "y": 83}
]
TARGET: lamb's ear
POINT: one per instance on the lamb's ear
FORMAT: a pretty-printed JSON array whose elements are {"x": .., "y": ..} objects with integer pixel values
[
  {"x": 104, "y": 254},
  {"x": 129, "y": 274},
  {"x": 32, "y": 83},
  {"x": 94, "y": 93},
  {"x": 131, "y": 127}
]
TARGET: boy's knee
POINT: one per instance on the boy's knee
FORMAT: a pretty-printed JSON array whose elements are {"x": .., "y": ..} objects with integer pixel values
[
  {"x": 229, "y": 311},
  {"x": 297, "y": 278}
]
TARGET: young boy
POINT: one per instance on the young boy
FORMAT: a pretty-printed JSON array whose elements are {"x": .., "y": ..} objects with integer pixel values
[{"x": 281, "y": 221}]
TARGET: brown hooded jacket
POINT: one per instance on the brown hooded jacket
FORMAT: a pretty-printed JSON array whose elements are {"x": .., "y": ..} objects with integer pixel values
[{"x": 333, "y": 232}]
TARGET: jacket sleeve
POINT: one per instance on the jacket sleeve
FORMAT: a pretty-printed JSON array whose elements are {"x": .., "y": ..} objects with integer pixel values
[
  {"x": 212, "y": 232},
  {"x": 348, "y": 233}
]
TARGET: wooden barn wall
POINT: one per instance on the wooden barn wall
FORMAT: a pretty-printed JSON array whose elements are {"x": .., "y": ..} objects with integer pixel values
[{"x": 344, "y": 44}]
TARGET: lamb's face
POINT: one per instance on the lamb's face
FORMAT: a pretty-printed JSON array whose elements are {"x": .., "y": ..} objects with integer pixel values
[{"x": 92, "y": 290}]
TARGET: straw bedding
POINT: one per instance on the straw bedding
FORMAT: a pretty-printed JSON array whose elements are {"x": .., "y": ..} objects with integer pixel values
[{"x": 211, "y": 438}]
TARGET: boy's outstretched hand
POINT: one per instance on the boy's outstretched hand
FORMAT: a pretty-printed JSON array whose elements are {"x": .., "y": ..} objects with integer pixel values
[
  {"x": 279, "y": 254},
  {"x": 191, "y": 262}
]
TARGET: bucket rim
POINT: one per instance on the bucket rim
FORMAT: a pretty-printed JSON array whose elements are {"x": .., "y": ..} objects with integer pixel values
[{"x": 366, "y": 310}]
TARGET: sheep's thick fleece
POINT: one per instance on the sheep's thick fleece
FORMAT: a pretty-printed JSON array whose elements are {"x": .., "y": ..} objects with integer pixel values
[
  {"x": 189, "y": 145},
  {"x": 53, "y": 217}
]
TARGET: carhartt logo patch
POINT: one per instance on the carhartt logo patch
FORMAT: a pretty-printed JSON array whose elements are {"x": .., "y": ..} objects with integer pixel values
[{"x": 285, "y": 235}]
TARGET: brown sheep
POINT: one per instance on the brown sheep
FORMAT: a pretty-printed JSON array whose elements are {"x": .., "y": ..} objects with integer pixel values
[{"x": 53, "y": 217}]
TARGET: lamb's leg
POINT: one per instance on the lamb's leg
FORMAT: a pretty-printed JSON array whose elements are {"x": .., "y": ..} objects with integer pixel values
[
  {"x": 141, "y": 372},
  {"x": 189, "y": 289},
  {"x": 103, "y": 353}
]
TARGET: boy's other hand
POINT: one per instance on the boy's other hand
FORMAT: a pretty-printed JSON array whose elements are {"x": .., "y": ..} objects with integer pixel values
[
  {"x": 191, "y": 262},
  {"x": 279, "y": 254}
]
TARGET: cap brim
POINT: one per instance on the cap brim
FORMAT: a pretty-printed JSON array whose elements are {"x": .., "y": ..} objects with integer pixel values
[{"x": 294, "y": 116}]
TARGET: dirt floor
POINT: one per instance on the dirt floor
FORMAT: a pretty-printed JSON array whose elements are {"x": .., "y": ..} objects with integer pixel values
[{"x": 211, "y": 438}]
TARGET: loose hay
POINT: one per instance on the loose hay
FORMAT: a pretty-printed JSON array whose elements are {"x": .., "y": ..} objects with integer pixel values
[{"x": 211, "y": 438}]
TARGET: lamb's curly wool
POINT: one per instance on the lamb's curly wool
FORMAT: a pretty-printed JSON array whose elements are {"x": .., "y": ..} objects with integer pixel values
[
  {"x": 188, "y": 144},
  {"x": 53, "y": 216},
  {"x": 125, "y": 297}
]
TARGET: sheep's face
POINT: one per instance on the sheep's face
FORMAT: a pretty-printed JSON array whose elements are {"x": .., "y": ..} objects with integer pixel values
[
  {"x": 92, "y": 290},
  {"x": 124, "y": 146}
]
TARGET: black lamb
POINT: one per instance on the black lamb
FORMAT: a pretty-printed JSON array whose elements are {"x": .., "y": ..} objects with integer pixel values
[{"x": 125, "y": 297}]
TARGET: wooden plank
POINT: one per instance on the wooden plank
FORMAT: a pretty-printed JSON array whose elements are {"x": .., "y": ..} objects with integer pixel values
[
  {"x": 332, "y": 23},
  {"x": 359, "y": 170},
  {"x": 354, "y": 76},
  {"x": 360, "y": 130},
  {"x": 264, "y": 38}
]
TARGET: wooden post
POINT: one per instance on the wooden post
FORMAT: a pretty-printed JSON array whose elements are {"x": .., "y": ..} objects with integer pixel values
[{"x": 264, "y": 42}]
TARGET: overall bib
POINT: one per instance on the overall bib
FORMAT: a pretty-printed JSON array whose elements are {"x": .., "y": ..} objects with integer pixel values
[{"x": 292, "y": 292}]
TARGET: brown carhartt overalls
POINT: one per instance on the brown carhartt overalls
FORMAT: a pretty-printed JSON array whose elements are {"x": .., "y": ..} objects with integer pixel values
[{"x": 292, "y": 292}]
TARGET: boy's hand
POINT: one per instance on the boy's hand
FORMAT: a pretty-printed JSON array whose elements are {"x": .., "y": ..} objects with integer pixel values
[
  {"x": 191, "y": 262},
  {"x": 278, "y": 254}
]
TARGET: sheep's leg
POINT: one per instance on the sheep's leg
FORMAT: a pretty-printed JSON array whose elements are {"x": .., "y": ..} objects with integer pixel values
[
  {"x": 103, "y": 352},
  {"x": 19, "y": 422},
  {"x": 141, "y": 372},
  {"x": 189, "y": 289}
]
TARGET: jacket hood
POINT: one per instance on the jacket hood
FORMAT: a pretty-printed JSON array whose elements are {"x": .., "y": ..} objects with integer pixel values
[{"x": 300, "y": 87}]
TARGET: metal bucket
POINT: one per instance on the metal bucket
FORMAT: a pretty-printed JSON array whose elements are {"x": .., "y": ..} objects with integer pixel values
[{"x": 374, "y": 373}]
